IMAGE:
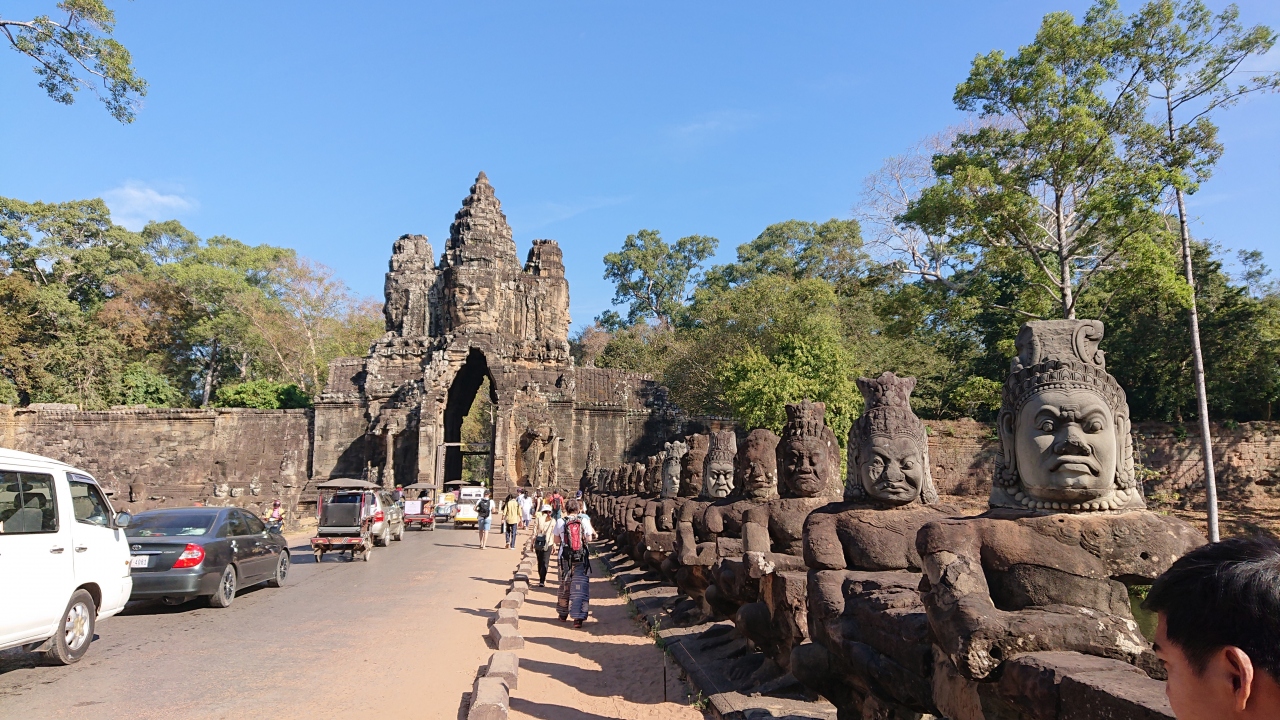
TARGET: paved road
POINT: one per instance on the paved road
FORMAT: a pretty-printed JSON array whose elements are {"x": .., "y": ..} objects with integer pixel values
[{"x": 398, "y": 636}]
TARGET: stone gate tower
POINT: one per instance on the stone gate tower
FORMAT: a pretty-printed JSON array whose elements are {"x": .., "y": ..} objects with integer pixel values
[{"x": 393, "y": 414}]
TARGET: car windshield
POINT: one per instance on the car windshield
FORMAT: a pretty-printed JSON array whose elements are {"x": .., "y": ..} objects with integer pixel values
[
  {"x": 164, "y": 524},
  {"x": 352, "y": 498}
]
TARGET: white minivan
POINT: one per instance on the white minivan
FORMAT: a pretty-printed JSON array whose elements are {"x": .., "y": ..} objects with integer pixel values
[{"x": 64, "y": 558}]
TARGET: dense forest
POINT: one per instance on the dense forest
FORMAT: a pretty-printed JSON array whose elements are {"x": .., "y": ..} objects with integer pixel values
[{"x": 100, "y": 316}]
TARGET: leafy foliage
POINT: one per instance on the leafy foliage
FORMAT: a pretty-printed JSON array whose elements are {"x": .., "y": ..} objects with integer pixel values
[
  {"x": 652, "y": 278},
  {"x": 98, "y": 315},
  {"x": 78, "y": 53},
  {"x": 262, "y": 394}
]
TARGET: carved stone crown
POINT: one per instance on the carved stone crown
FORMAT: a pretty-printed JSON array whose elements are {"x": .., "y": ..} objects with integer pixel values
[
  {"x": 805, "y": 419},
  {"x": 723, "y": 447},
  {"x": 888, "y": 409}
]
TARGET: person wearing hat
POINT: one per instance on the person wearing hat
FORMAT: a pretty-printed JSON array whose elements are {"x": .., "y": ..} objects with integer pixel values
[
  {"x": 544, "y": 527},
  {"x": 275, "y": 519}
]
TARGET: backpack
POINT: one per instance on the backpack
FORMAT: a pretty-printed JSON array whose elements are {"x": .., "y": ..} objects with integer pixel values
[
  {"x": 573, "y": 539},
  {"x": 482, "y": 507}
]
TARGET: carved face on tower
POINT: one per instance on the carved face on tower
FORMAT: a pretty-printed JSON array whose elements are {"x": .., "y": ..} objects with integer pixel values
[
  {"x": 474, "y": 302},
  {"x": 757, "y": 462},
  {"x": 674, "y": 454},
  {"x": 888, "y": 447},
  {"x": 808, "y": 454},
  {"x": 692, "y": 465},
  {"x": 717, "y": 475},
  {"x": 1064, "y": 425}
]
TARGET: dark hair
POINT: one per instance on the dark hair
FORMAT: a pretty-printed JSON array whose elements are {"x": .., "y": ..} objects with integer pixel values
[{"x": 1225, "y": 593}]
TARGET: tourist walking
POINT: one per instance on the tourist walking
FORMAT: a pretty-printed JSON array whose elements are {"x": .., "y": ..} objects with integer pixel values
[
  {"x": 544, "y": 539},
  {"x": 483, "y": 509},
  {"x": 510, "y": 520},
  {"x": 557, "y": 504},
  {"x": 526, "y": 509},
  {"x": 573, "y": 532}
]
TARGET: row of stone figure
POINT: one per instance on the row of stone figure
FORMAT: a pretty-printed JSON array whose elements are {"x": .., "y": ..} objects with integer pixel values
[{"x": 871, "y": 591}]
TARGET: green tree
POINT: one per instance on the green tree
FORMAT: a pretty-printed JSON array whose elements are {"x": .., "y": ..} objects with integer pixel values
[
  {"x": 798, "y": 249},
  {"x": 1047, "y": 178},
  {"x": 653, "y": 278},
  {"x": 1188, "y": 57},
  {"x": 78, "y": 53},
  {"x": 143, "y": 386},
  {"x": 262, "y": 394}
]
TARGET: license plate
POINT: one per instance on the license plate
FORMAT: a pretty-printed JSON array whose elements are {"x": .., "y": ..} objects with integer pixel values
[{"x": 140, "y": 561}]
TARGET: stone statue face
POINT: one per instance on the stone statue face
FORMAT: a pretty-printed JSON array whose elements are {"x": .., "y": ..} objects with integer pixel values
[
  {"x": 473, "y": 302},
  {"x": 691, "y": 466},
  {"x": 806, "y": 462},
  {"x": 671, "y": 469},
  {"x": 719, "y": 478},
  {"x": 1066, "y": 446},
  {"x": 758, "y": 465},
  {"x": 894, "y": 470}
]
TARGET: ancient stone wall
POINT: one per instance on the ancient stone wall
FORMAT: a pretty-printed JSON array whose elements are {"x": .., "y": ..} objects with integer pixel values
[{"x": 158, "y": 458}]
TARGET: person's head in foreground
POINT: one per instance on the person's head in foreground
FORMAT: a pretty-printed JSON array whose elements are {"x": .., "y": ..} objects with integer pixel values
[
  {"x": 571, "y": 507},
  {"x": 1219, "y": 630}
]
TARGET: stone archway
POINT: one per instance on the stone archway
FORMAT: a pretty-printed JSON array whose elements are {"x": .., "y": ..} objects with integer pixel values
[{"x": 462, "y": 393}]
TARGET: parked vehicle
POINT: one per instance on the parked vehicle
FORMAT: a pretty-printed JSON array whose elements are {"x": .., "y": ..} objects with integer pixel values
[
  {"x": 445, "y": 511},
  {"x": 419, "y": 510},
  {"x": 466, "y": 515},
  {"x": 179, "y": 554},
  {"x": 64, "y": 557}
]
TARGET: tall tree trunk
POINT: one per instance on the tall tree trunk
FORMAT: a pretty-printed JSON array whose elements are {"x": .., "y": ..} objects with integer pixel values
[
  {"x": 1064, "y": 261},
  {"x": 1202, "y": 398},
  {"x": 1197, "y": 358},
  {"x": 208, "y": 373}
]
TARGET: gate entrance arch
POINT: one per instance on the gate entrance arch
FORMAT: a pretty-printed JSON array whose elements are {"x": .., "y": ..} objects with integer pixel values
[{"x": 478, "y": 313}]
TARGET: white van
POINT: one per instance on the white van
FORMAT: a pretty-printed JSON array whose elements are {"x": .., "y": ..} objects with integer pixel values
[{"x": 64, "y": 557}]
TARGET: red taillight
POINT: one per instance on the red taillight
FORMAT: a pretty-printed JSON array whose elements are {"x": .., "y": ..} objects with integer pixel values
[
  {"x": 378, "y": 516},
  {"x": 192, "y": 555}
]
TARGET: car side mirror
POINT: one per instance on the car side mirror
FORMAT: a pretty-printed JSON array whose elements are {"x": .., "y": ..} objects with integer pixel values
[{"x": 123, "y": 518}]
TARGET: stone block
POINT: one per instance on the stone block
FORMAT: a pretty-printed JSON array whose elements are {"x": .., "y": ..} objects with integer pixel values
[
  {"x": 505, "y": 665},
  {"x": 1073, "y": 686},
  {"x": 490, "y": 699},
  {"x": 520, "y": 586},
  {"x": 512, "y": 600},
  {"x": 520, "y": 576},
  {"x": 506, "y": 616},
  {"x": 505, "y": 637}
]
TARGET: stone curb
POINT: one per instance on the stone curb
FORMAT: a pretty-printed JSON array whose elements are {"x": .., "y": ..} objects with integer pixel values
[
  {"x": 506, "y": 616},
  {"x": 506, "y": 666},
  {"x": 490, "y": 699},
  {"x": 505, "y": 637}
]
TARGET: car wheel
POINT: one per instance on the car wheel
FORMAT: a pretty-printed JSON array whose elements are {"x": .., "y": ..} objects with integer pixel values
[
  {"x": 383, "y": 539},
  {"x": 400, "y": 533},
  {"x": 226, "y": 593},
  {"x": 75, "y": 631},
  {"x": 282, "y": 571},
  {"x": 367, "y": 552}
]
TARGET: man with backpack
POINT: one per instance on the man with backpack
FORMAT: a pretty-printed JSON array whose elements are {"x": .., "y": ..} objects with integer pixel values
[
  {"x": 557, "y": 505},
  {"x": 573, "y": 532},
  {"x": 484, "y": 508}
]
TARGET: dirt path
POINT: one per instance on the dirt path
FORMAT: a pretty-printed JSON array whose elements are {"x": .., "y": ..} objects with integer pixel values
[{"x": 608, "y": 669}]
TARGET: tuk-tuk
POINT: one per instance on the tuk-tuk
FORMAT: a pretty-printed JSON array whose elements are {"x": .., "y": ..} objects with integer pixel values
[
  {"x": 420, "y": 512},
  {"x": 344, "y": 526}
]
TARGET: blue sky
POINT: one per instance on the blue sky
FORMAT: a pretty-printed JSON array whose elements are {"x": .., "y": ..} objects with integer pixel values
[{"x": 334, "y": 128}]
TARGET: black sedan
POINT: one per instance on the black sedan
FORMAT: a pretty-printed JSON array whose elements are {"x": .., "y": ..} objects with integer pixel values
[{"x": 183, "y": 553}]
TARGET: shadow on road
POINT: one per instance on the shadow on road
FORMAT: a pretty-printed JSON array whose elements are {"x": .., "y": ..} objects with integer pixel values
[
  {"x": 546, "y": 710},
  {"x": 159, "y": 607}
]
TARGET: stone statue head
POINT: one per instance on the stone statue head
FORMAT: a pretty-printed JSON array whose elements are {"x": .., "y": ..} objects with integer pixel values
[
  {"x": 674, "y": 455},
  {"x": 888, "y": 446},
  {"x": 637, "y": 478},
  {"x": 757, "y": 465},
  {"x": 808, "y": 455},
  {"x": 1064, "y": 425},
  {"x": 717, "y": 473},
  {"x": 653, "y": 472},
  {"x": 692, "y": 465},
  {"x": 474, "y": 303}
]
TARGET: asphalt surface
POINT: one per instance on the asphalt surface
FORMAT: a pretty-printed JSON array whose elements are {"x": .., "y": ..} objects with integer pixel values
[{"x": 400, "y": 635}]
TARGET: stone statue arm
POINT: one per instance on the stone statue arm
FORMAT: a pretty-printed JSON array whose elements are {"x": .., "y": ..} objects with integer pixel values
[
  {"x": 822, "y": 547},
  {"x": 689, "y": 550},
  {"x": 757, "y": 545},
  {"x": 655, "y": 539},
  {"x": 978, "y": 636}
]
